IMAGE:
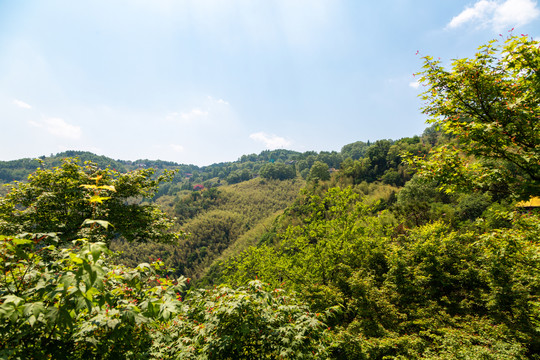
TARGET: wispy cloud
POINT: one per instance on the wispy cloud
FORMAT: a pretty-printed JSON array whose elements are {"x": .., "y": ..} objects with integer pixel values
[
  {"x": 498, "y": 15},
  {"x": 270, "y": 141},
  {"x": 59, "y": 127},
  {"x": 208, "y": 110},
  {"x": 212, "y": 101},
  {"x": 21, "y": 104},
  {"x": 223, "y": 102},
  {"x": 188, "y": 117}
]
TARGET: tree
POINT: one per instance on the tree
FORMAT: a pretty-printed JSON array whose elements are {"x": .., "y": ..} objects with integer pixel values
[
  {"x": 319, "y": 171},
  {"x": 355, "y": 150},
  {"x": 61, "y": 199},
  {"x": 491, "y": 105},
  {"x": 417, "y": 202},
  {"x": 359, "y": 170},
  {"x": 278, "y": 171},
  {"x": 377, "y": 153}
]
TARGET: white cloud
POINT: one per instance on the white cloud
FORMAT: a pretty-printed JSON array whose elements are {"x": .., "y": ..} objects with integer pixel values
[
  {"x": 21, "y": 104},
  {"x": 187, "y": 117},
  {"x": 212, "y": 101},
  {"x": 480, "y": 11},
  {"x": 177, "y": 148},
  {"x": 59, "y": 127},
  {"x": 193, "y": 114},
  {"x": 515, "y": 13},
  {"x": 270, "y": 141},
  {"x": 414, "y": 84},
  {"x": 499, "y": 15}
]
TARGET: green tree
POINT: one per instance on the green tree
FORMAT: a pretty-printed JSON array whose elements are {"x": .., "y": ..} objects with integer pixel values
[
  {"x": 278, "y": 171},
  {"x": 319, "y": 171},
  {"x": 355, "y": 150},
  {"x": 490, "y": 104},
  {"x": 378, "y": 153},
  {"x": 59, "y": 200},
  {"x": 429, "y": 293},
  {"x": 359, "y": 170},
  {"x": 419, "y": 202}
]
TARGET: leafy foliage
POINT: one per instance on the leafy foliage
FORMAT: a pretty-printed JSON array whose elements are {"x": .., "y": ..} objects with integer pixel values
[
  {"x": 251, "y": 322},
  {"x": 72, "y": 303},
  {"x": 61, "y": 199},
  {"x": 319, "y": 171},
  {"x": 413, "y": 296},
  {"x": 278, "y": 171},
  {"x": 490, "y": 103}
]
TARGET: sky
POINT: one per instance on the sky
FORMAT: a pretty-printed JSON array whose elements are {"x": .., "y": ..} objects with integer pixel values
[{"x": 207, "y": 81}]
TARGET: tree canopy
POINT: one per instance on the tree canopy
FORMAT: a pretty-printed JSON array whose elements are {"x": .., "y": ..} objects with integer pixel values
[
  {"x": 490, "y": 104},
  {"x": 61, "y": 199}
]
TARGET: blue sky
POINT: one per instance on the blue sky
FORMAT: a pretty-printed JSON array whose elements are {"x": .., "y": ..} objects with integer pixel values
[{"x": 206, "y": 81}]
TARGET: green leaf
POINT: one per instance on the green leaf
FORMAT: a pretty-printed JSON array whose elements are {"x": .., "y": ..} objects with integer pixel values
[
  {"x": 98, "y": 199},
  {"x": 103, "y": 223},
  {"x": 16, "y": 241},
  {"x": 91, "y": 293},
  {"x": 75, "y": 259},
  {"x": 107, "y": 187}
]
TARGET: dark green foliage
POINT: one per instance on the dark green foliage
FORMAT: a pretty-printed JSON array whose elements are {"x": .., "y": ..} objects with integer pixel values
[
  {"x": 358, "y": 170},
  {"x": 61, "y": 199},
  {"x": 18, "y": 170},
  {"x": 377, "y": 154},
  {"x": 419, "y": 202},
  {"x": 471, "y": 206},
  {"x": 319, "y": 172},
  {"x": 332, "y": 159},
  {"x": 278, "y": 171},
  {"x": 251, "y": 322},
  {"x": 355, "y": 150},
  {"x": 239, "y": 176},
  {"x": 383, "y": 160}
]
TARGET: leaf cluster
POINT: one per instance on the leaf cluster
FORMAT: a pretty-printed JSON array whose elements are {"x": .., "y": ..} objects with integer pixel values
[
  {"x": 490, "y": 104},
  {"x": 61, "y": 199}
]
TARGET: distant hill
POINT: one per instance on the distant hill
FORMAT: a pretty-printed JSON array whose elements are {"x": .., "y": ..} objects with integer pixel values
[{"x": 364, "y": 161}]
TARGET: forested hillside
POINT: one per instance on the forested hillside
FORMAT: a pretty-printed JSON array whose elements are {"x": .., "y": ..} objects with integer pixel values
[
  {"x": 417, "y": 248},
  {"x": 216, "y": 221}
]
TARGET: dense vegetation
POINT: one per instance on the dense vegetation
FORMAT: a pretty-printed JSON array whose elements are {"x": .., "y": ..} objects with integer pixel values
[
  {"x": 409, "y": 249},
  {"x": 61, "y": 199},
  {"x": 217, "y": 221}
]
